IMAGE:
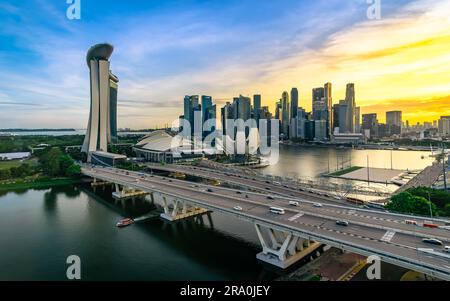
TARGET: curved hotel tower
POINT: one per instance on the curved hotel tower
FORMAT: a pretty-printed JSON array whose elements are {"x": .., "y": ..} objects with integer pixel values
[{"x": 102, "y": 124}]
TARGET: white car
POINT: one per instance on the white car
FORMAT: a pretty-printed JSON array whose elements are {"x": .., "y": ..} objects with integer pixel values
[
  {"x": 237, "y": 208},
  {"x": 317, "y": 205},
  {"x": 294, "y": 203},
  {"x": 447, "y": 249}
]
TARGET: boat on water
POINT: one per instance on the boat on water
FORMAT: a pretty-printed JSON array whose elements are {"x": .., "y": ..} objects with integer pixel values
[{"x": 125, "y": 222}]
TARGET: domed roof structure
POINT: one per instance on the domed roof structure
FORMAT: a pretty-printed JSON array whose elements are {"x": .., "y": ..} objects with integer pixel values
[
  {"x": 99, "y": 52},
  {"x": 163, "y": 141}
]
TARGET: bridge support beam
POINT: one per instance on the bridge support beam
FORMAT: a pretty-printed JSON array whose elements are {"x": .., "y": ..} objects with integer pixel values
[
  {"x": 283, "y": 249},
  {"x": 96, "y": 183},
  {"x": 176, "y": 209},
  {"x": 123, "y": 192}
]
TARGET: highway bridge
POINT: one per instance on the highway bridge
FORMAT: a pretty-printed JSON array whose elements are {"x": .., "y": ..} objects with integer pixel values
[
  {"x": 259, "y": 181},
  {"x": 255, "y": 182},
  {"x": 285, "y": 238}
]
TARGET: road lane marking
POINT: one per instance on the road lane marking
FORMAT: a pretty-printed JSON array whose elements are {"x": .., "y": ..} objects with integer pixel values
[
  {"x": 387, "y": 237},
  {"x": 293, "y": 218}
]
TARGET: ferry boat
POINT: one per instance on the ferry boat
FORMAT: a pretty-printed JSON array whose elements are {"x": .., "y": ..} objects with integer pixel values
[{"x": 125, "y": 222}]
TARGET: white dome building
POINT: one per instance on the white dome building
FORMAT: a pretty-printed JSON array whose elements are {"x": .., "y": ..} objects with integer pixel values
[{"x": 163, "y": 146}]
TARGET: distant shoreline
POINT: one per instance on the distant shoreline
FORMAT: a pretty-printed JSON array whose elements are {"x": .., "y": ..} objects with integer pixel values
[{"x": 37, "y": 130}]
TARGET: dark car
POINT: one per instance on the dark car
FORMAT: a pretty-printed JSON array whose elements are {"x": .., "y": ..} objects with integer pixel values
[
  {"x": 432, "y": 241},
  {"x": 342, "y": 223}
]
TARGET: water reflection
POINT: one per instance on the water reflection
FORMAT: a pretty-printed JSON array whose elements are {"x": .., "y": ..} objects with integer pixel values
[{"x": 306, "y": 161}]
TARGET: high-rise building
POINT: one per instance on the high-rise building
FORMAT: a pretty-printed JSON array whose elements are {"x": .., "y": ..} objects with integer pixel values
[
  {"x": 187, "y": 108},
  {"x": 113, "y": 89},
  {"x": 208, "y": 112},
  {"x": 243, "y": 107},
  {"x": 394, "y": 122},
  {"x": 357, "y": 119},
  {"x": 226, "y": 113},
  {"x": 335, "y": 116},
  {"x": 278, "y": 110},
  {"x": 206, "y": 104},
  {"x": 285, "y": 114},
  {"x": 318, "y": 104},
  {"x": 322, "y": 106},
  {"x": 444, "y": 126},
  {"x": 309, "y": 130},
  {"x": 294, "y": 103},
  {"x": 98, "y": 133},
  {"x": 320, "y": 130},
  {"x": 344, "y": 124},
  {"x": 329, "y": 108},
  {"x": 191, "y": 104},
  {"x": 394, "y": 118},
  {"x": 257, "y": 108},
  {"x": 370, "y": 123},
  {"x": 299, "y": 124},
  {"x": 351, "y": 105},
  {"x": 347, "y": 110}
]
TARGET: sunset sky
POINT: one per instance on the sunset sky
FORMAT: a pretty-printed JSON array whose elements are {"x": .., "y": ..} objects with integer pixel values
[{"x": 167, "y": 49}]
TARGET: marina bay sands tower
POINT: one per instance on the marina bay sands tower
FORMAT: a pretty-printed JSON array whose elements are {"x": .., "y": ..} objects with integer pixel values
[{"x": 102, "y": 124}]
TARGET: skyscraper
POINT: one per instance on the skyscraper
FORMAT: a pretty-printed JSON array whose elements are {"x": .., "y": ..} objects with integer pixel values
[
  {"x": 347, "y": 118},
  {"x": 243, "y": 110},
  {"x": 444, "y": 126},
  {"x": 206, "y": 104},
  {"x": 357, "y": 119},
  {"x": 98, "y": 133},
  {"x": 207, "y": 112},
  {"x": 394, "y": 118},
  {"x": 299, "y": 124},
  {"x": 113, "y": 87},
  {"x": 335, "y": 116},
  {"x": 344, "y": 125},
  {"x": 294, "y": 103},
  {"x": 320, "y": 130},
  {"x": 318, "y": 103},
  {"x": 191, "y": 104},
  {"x": 351, "y": 104},
  {"x": 285, "y": 114},
  {"x": 278, "y": 110},
  {"x": 329, "y": 108},
  {"x": 394, "y": 122},
  {"x": 257, "y": 108}
]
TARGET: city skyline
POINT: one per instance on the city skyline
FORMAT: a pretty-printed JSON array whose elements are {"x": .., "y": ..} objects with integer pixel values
[{"x": 392, "y": 68}]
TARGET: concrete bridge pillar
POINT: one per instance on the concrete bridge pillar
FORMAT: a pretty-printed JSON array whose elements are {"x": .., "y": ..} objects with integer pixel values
[
  {"x": 176, "y": 209},
  {"x": 282, "y": 249},
  {"x": 123, "y": 192}
]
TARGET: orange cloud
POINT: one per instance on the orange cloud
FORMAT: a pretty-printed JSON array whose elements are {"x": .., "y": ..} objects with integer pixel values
[{"x": 418, "y": 110}]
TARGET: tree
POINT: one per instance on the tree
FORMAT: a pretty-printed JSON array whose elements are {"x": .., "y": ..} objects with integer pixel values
[
  {"x": 447, "y": 210},
  {"x": 50, "y": 161},
  {"x": 5, "y": 174},
  {"x": 73, "y": 171},
  {"x": 407, "y": 203},
  {"x": 65, "y": 162}
]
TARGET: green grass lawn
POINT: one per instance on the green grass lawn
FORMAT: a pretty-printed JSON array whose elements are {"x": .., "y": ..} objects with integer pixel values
[
  {"x": 9, "y": 164},
  {"x": 344, "y": 171},
  {"x": 17, "y": 163},
  {"x": 37, "y": 183}
]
